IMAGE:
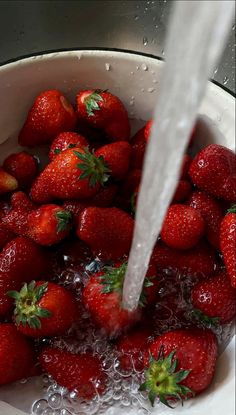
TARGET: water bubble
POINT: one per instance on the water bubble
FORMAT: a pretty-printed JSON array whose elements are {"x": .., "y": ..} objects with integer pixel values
[
  {"x": 145, "y": 41},
  {"x": 55, "y": 400},
  {"x": 48, "y": 411},
  {"x": 125, "y": 400},
  {"x": 225, "y": 80},
  {"x": 107, "y": 66},
  {"x": 24, "y": 380},
  {"x": 136, "y": 17},
  {"x": 65, "y": 412},
  {"x": 117, "y": 395},
  {"x": 132, "y": 73},
  {"x": 144, "y": 67},
  {"x": 39, "y": 406},
  {"x": 137, "y": 68}
]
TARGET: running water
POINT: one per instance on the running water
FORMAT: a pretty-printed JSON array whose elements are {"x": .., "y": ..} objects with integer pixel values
[{"x": 197, "y": 35}]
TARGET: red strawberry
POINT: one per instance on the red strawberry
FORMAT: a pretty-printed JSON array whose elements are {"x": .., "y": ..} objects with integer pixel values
[
  {"x": 76, "y": 372},
  {"x": 74, "y": 173},
  {"x": 132, "y": 347},
  {"x": 5, "y": 235},
  {"x": 108, "y": 231},
  {"x": 228, "y": 243},
  {"x": 102, "y": 110},
  {"x": 23, "y": 166},
  {"x": 199, "y": 260},
  {"x": 179, "y": 364},
  {"x": 43, "y": 309},
  {"x": 211, "y": 212},
  {"x": 182, "y": 191},
  {"x": 20, "y": 261},
  {"x": 16, "y": 220},
  {"x": 117, "y": 158},
  {"x": 49, "y": 224},
  {"x": 186, "y": 163},
  {"x": 8, "y": 183},
  {"x": 183, "y": 227},
  {"x": 215, "y": 298},
  {"x": 50, "y": 115},
  {"x": 16, "y": 355},
  {"x": 138, "y": 143},
  {"x": 64, "y": 141},
  {"x": 213, "y": 170},
  {"x": 147, "y": 129},
  {"x": 127, "y": 189}
]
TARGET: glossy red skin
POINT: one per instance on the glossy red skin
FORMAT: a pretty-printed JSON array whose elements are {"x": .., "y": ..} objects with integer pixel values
[
  {"x": 117, "y": 157},
  {"x": 213, "y": 170},
  {"x": 106, "y": 309},
  {"x": 63, "y": 306},
  {"x": 23, "y": 166},
  {"x": 228, "y": 244},
  {"x": 50, "y": 115},
  {"x": 132, "y": 347},
  {"x": 21, "y": 260},
  {"x": 16, "y": 220},
  {"x": 16, "y": 355},
  {"x": 21, "y": 199},
  {"x": 78, "y": 372},
  {"x": 138, "y": 143},
  {"x": 127, "y": 188},
  {"x": 8, "y": 183},
  {"x": 196, "y": 350},
  {"x": 108, "y": 231},
  {"x": 111, "y": 117},
  {"x": 147, "y": 129},
  {"x": 182, "y": 192},
  {"x": 5, "y": 235},
  {"x": 212, "y": 214},
  {"x": 215, "y": 298},
  {"x": 61, "y": 180},
  {"x": 64, "y": 140},
  {"x": 43, "y": 223},
  {"x": 183, "y": 227},
  {"x": 200, "y": 260}
]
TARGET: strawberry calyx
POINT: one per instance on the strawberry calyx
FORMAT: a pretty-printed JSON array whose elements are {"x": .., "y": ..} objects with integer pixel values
[
  {"x": 91, "y": 102},
  {"x": 58, "y": 150},
  {"x": 162, "y": 380},
  {"x": 27, "y": 311},
  {"x": 204, "y": 319},
  {"x": 94, "y": 168},
  {"x": 232, "y": 209},
  {"x": 64, "y": 220}
]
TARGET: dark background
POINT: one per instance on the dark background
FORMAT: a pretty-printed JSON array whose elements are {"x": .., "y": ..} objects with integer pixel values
[{"x": 32, "y": 26}]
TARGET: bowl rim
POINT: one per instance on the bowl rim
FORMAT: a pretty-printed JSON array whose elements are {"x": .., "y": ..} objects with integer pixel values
[{"x": 100, "y": 49}]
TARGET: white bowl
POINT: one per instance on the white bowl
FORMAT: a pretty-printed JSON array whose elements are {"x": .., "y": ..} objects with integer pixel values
[{"x": 135, "y": 79}]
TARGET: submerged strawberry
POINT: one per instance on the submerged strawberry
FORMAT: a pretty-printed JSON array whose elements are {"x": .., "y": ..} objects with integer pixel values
[
  {"x": 8, "y": 183},
  {"x": 228, "y": 243},
  {"x": 5, "y": 235},
  {"x": 23, "y": 166}
]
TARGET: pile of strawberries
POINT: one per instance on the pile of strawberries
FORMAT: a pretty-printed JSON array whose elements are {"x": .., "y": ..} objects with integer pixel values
[{"x": 81, "y": 205}]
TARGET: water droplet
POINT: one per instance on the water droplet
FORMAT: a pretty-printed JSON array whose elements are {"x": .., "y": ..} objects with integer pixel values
[
  {"x": 142, "y": 89},
  {"x": 145, "y": 41},
  {"x": 151, "y": 89},
  {"x": 39, "y": 406},
  {"x": 132, "y": 73},
  {"x": 144, "y": 67},
  {"x": 136, "y": 17},
  {"x": 163, "y": 52},
  {"x": 55, "y": 400},
  {"x": 215, "y": 71},
  {"x": 108, "y": 66},
  {"x": 137, "y": 68},
  {"x": 233, "y": 27},
  {"x": 154, "y": 81},
  {"x": 225, "y": 80}
]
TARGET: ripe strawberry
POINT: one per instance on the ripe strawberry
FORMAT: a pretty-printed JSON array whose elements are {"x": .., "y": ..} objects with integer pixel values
[
  {"x": 20, "y": 261},
  {"x": 215, "y": 298},
  {"x": 102, "y": 110},
  {"x": 211, "y": 212},
  {"x": 43, "y": 309},
  {"x": 16, "y": 355},
  {"x": 16, "y": 220},
  {"x": 199, "y": 260},
  {"x": 147, "y": 129},
  {"x": 128, "y": 187},
  {"x": 8, "y": 183},
  {"x": 74, "y": 173},
  {"x": 132, "y": 347},
  {"x": 108, "y": 231},
  {"x": 23, "y": 166},
  {"x": 64, "y": 141},
  {"x": 5, "y": 235},
  {"x": 50, "y": 115},
  {"x": 182, "y": 191},
  {"x": 81, "y": 373},
  {"x": 179, "y": 364},
  {"x": 49, "y": 224},
  {"x": 183, "y": 227},
  {"x": 228, "y": 243},
  {"x": 138, "y": 143},
  {"x": 117, "y": 158},
  {"x": 213, "y": 170}
]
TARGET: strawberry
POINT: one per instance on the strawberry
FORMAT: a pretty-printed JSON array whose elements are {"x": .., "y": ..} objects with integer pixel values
[
  {"x": 43, "y": 309},
  {"x": 81, "y": 373},
  {"x": 147, "y": 129},
  {"x": 228, "y": 243},
  {"x": 186, "y": 163},
  {"x": 74, "y": 173},
  {"x": 213, "y": 171},
  {"x": 108, "y": 231},
  {"x": 117, "y": 158},
  {"x": 211, "y": 212},
  {"x": 50, "y": 115},
  {"x": 16, "y": 355},
  {"x": 179, "y": 364},
  {"x": 199, "y": 260},
  {"x": 20, "y": 261},
  {"x": 5, "y": 235},
  {"x": 215, "y": 298},
  {"x": 64, "y": 141},
  {"x": 183, "y": 227},
  {"x": 23, "y": 166},
  {"x": 138, "y": 143},
  {"x": 16, "y": 220},
  {"x": 132, "y": 347},
  {"x": 182, "y": 191},
  {"x": 49, "y": 224},
  {"x": 127, "y": 189},
  {"x": 103, "y": 110},
  {"x": 102, "y": 296},
  {"x": 8, "y": 183}
]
